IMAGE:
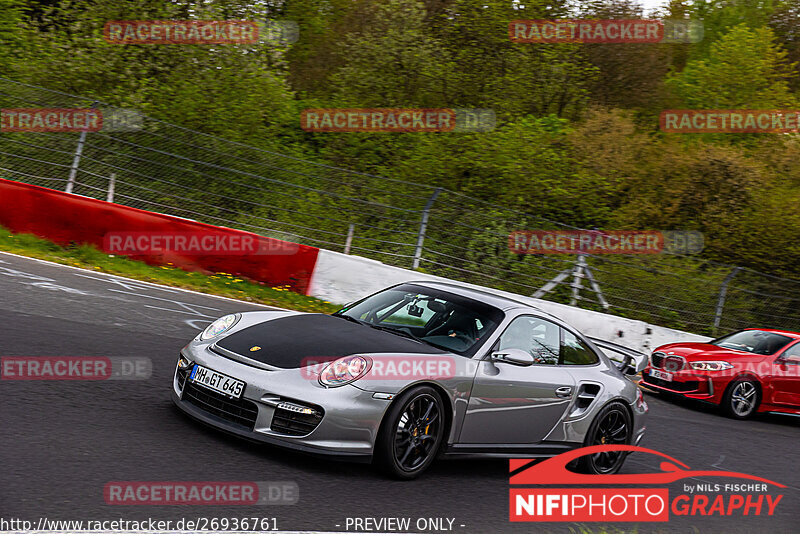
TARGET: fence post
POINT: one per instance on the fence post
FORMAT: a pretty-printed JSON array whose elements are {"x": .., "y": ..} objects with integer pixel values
[
  {"x": 111, "y": 181},
  {"x": 587, "y": 271},
  {"x": 73, "y": 171},
  {"x": 577, "y": 280},
  {"x": 349, "y": 240},
  {"x": 723, "y": 290},
  {"x": 422, "y": 227}
]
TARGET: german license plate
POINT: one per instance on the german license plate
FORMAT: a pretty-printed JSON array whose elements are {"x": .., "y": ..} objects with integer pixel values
[
  {"x": 655, "y": 373},
  {"x": 217, "y": 381}
]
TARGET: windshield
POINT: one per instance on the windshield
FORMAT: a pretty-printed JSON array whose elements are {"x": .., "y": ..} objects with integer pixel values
[
  {"x": 755, "y": 341},
  {"x": 444, "y": 320}
]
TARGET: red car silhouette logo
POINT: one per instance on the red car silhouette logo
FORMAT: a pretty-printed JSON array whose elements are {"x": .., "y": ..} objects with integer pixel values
[{"x": 554, "y": 470}]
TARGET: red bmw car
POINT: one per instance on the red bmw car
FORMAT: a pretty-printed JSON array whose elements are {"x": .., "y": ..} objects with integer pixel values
[{"x": 753, "y": 370}]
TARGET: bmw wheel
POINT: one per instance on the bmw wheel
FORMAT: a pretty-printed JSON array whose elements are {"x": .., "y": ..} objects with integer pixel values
[{"x": 741, "y": 399}]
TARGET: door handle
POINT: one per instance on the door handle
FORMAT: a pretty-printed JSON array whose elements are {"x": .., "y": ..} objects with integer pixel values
[{"x": 565, "y": 391}]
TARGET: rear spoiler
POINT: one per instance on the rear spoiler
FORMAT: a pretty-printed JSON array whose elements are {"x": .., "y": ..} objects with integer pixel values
[
  {"x": 627, "y": 360},
  {"x": 614, "y": 346}
]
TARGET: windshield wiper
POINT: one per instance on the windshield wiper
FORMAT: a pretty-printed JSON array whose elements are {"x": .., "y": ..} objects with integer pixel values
[
  {"x": 403, "y": 333},
  {"x": 415, "y": 338},
  {"x": 736, "y": 346},
  {"x": 349, "y": 318}
]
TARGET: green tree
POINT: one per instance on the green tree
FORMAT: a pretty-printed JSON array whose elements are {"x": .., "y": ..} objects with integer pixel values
[
  {"x": 785, "y": 22},
  {"x": 394, "y": 62},
  {"x": 630, "y": 75},
  {"x": 515, "y": 79},
  {"x": 238, "y": 91},
  {"x": 719, "y": 17},
  {"x": 11, "y": 34},
  {"x": 701, "y": 187},
  {"x": 325, "y": 25},
  {"x": 744, "y": 69}
]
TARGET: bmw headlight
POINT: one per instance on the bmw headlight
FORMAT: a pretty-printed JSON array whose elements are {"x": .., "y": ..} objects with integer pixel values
[
  {"x": 344, "y": 371},
  {"x": 711, "y": 366},
  {"x": 220, "y": 326}
]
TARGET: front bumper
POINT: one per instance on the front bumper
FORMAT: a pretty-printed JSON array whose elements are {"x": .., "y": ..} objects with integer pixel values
[
  {"x": 348, "y": 426},
  {"x": 688, "y": 383},
  {"x": 639, "y": 421}
]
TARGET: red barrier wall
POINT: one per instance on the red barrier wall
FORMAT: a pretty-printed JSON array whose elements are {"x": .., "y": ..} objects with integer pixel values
[{"x": 65, "y": 218}]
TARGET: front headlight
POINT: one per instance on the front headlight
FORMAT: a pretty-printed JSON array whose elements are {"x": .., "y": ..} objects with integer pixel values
[
  {"x": 221, "y": 325},
  {"x": 711, "y": 366},
  {"x": 344, "y": 371}
]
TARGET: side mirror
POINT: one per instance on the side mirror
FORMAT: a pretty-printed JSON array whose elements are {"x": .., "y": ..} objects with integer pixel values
[
  {"x": 790, "y": 359},
  {"x": 512, "y": 356}
]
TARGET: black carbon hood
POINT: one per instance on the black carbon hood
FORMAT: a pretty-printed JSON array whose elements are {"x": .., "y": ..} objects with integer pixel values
[{"x": 289, "y": 342}]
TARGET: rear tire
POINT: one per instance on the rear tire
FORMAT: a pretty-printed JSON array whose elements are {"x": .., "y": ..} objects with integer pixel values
[
  {"x": 411, "y": 434},
  {"x": 741, "y": 399},
  {"x": 612, "y": 426}
]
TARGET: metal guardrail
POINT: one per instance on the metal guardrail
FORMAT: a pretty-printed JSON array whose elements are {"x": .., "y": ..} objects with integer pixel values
[{"x": 166, "y": 168}]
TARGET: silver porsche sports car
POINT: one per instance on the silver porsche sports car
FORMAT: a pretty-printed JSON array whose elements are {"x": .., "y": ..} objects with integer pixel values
[{"x": 410, "y": 373}]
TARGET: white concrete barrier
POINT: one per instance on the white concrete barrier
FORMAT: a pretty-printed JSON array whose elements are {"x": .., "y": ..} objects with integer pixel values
[{"x": 341, "y": 278}]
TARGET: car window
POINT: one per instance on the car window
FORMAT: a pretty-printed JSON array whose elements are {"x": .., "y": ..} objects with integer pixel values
[
  {"x": 615, "y": 355},
  {"x": 794, "y": 350},
  {"x": 755, "y": 341},
  {"x": 536, "y": 336},
  {"x": 439, "y": 318},
  {"x": 575, "y": 352}
]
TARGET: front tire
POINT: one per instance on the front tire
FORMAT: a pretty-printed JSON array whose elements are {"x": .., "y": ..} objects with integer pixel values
[
  {"x": 612, "y": 426},
  {"x": 741, "y": 399},
  {"x": 411, "y": 434}
]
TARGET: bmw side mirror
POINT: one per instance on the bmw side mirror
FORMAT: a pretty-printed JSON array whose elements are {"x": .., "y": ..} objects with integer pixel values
[
  {"x": 790, "y": 359},
  {"x": 512, "y": 356}
]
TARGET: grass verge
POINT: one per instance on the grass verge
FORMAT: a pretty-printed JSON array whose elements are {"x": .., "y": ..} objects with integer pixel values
[{"x": 222, "y": 284}]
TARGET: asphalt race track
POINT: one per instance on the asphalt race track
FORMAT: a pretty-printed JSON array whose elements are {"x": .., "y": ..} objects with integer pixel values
[{"x": 62, "y": 441}]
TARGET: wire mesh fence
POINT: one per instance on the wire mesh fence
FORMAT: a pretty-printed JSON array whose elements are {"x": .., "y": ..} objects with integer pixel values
[{"x": 169, "y": 169}]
